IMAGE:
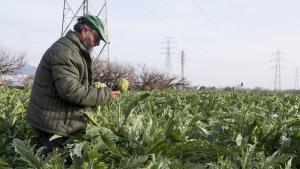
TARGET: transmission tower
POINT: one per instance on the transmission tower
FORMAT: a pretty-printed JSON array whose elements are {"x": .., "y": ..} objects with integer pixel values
[
  {"x": 277, "y": 67},
  {"x": 296, "y": 78},
  {"x": 168, "y": 53},
  {"x": 72, "y": 10},
  {"x": 182, "y": 63}
]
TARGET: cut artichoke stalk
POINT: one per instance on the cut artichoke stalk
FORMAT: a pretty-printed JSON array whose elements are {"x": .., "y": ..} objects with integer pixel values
[
  {"x": 99, "y": 85},
  {"x": 91, "y": 118}
]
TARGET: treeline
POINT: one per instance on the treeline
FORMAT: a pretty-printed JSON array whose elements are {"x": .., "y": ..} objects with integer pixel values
[{"x": 140, "y": 78}]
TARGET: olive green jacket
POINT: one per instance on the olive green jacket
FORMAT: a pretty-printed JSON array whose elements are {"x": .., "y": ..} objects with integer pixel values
[{"x": 62, "y": 88}]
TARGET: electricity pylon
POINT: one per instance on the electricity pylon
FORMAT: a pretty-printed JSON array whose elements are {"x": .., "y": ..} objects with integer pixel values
[
  {"x": 72, "y": 10},
  {"x": 296, "y": 78},
  {"x": 277, "y": 67},
  {"x": 168, "y": 53},
  {"x": 182, "y": 64}
]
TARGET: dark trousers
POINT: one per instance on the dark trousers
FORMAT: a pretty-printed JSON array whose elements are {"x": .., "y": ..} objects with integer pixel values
[{"x": 43, "y": 140}]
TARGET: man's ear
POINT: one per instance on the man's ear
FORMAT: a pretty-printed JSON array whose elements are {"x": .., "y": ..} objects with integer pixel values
[{"x": 84, "y": 31}]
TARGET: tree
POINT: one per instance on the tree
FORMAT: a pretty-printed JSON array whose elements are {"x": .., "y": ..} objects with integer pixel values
[
  {"x": 228, "y": 88},
  {"x": 202, "y": 88},
  {"x": 141, "y": 79},
  {"x": 109, "y": 73},
  {"x": 153, "y": 80},
  {"x": 9, "y": 63}
]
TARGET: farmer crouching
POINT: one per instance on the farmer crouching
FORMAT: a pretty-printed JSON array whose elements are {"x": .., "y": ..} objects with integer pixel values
[{"x": 62, "y": 87}]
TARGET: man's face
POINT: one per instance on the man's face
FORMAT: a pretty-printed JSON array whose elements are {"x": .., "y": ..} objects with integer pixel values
[
  {"x": 87, "y": 42},
  {"x": 91, "y": 39}
]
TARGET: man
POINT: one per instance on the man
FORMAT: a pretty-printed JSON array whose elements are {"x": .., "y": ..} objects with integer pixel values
[{"x": 62, "y": 87}]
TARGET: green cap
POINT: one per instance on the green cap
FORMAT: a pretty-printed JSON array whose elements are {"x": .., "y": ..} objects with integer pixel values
[{"x": 95, "y": 23}]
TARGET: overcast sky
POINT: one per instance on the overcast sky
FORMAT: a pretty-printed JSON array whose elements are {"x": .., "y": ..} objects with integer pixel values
[{"x": 226, "y": 42}]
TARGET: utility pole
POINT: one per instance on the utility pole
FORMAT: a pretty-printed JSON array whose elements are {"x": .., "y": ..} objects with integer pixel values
[
  {"x": 182, "y": 64},
  {"x": 296, "y": 78},
  {"x": 71, "y": 13},
  {"x": 277, "y": 67},
  {"x": 168, "y": 61}
]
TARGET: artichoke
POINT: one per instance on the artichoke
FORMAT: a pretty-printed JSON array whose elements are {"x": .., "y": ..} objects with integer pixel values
[{"x": 122, "y": 85}]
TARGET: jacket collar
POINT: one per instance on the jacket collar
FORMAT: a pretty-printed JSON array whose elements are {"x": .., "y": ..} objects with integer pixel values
[{"x": 74, "y": 38}]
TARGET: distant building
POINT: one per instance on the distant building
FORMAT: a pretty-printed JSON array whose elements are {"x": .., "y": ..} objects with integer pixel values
[
  {"x": 4, "y": 78},
  {"x": 19, "y": 78},
  {"x": 13, "y": 80}
]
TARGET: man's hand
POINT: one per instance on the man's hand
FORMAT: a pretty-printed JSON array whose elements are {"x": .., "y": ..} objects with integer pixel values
[{"x": 115, "y": 94}]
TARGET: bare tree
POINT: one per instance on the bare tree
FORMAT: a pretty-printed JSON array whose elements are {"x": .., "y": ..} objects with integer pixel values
[
  {"x": 109, "y": 73},
  {"x": 141, "y": 79},
  {"x": 9, "y": 63},
  {"x": 154, "y": 80}
]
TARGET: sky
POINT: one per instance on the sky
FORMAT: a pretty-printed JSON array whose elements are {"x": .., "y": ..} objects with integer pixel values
[{"x": 226, "y": 42}]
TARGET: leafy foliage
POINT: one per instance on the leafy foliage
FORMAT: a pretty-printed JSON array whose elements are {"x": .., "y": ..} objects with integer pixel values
[{"x": 169, "y": 129}]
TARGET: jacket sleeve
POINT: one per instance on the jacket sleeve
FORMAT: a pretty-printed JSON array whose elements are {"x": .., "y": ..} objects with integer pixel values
[{"x": 65, "y": 72}]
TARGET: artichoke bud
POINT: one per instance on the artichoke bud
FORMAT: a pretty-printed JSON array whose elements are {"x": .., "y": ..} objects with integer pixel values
[{"x": 122, "y": 85}]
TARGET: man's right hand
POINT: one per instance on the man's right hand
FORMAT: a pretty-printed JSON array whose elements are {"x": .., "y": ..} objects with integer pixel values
[{"x": 115, "y": 94}]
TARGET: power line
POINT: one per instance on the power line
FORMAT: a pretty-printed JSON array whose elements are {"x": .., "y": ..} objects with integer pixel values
[
  {"x": 147, "y": 9},
  {"x": 224, "y": 8},
  {"x": 150, "y": 11},
  {"x": 207, "y": 16},
  {"x": 232, "y": 14}
]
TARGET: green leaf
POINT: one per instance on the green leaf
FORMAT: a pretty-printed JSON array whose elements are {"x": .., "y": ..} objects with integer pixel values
[
  {"x": 247, "y": 159},
  {"x": 77, "y": 149},
  {"x": 112, "y": 146},
  {"x": 27, "y": 154},
  {"x": 288, "y": 165},
  {"x": 91, "y": 118},
  {"x": 135, "y": 101},
  {"x": 239, "y": 140}
]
